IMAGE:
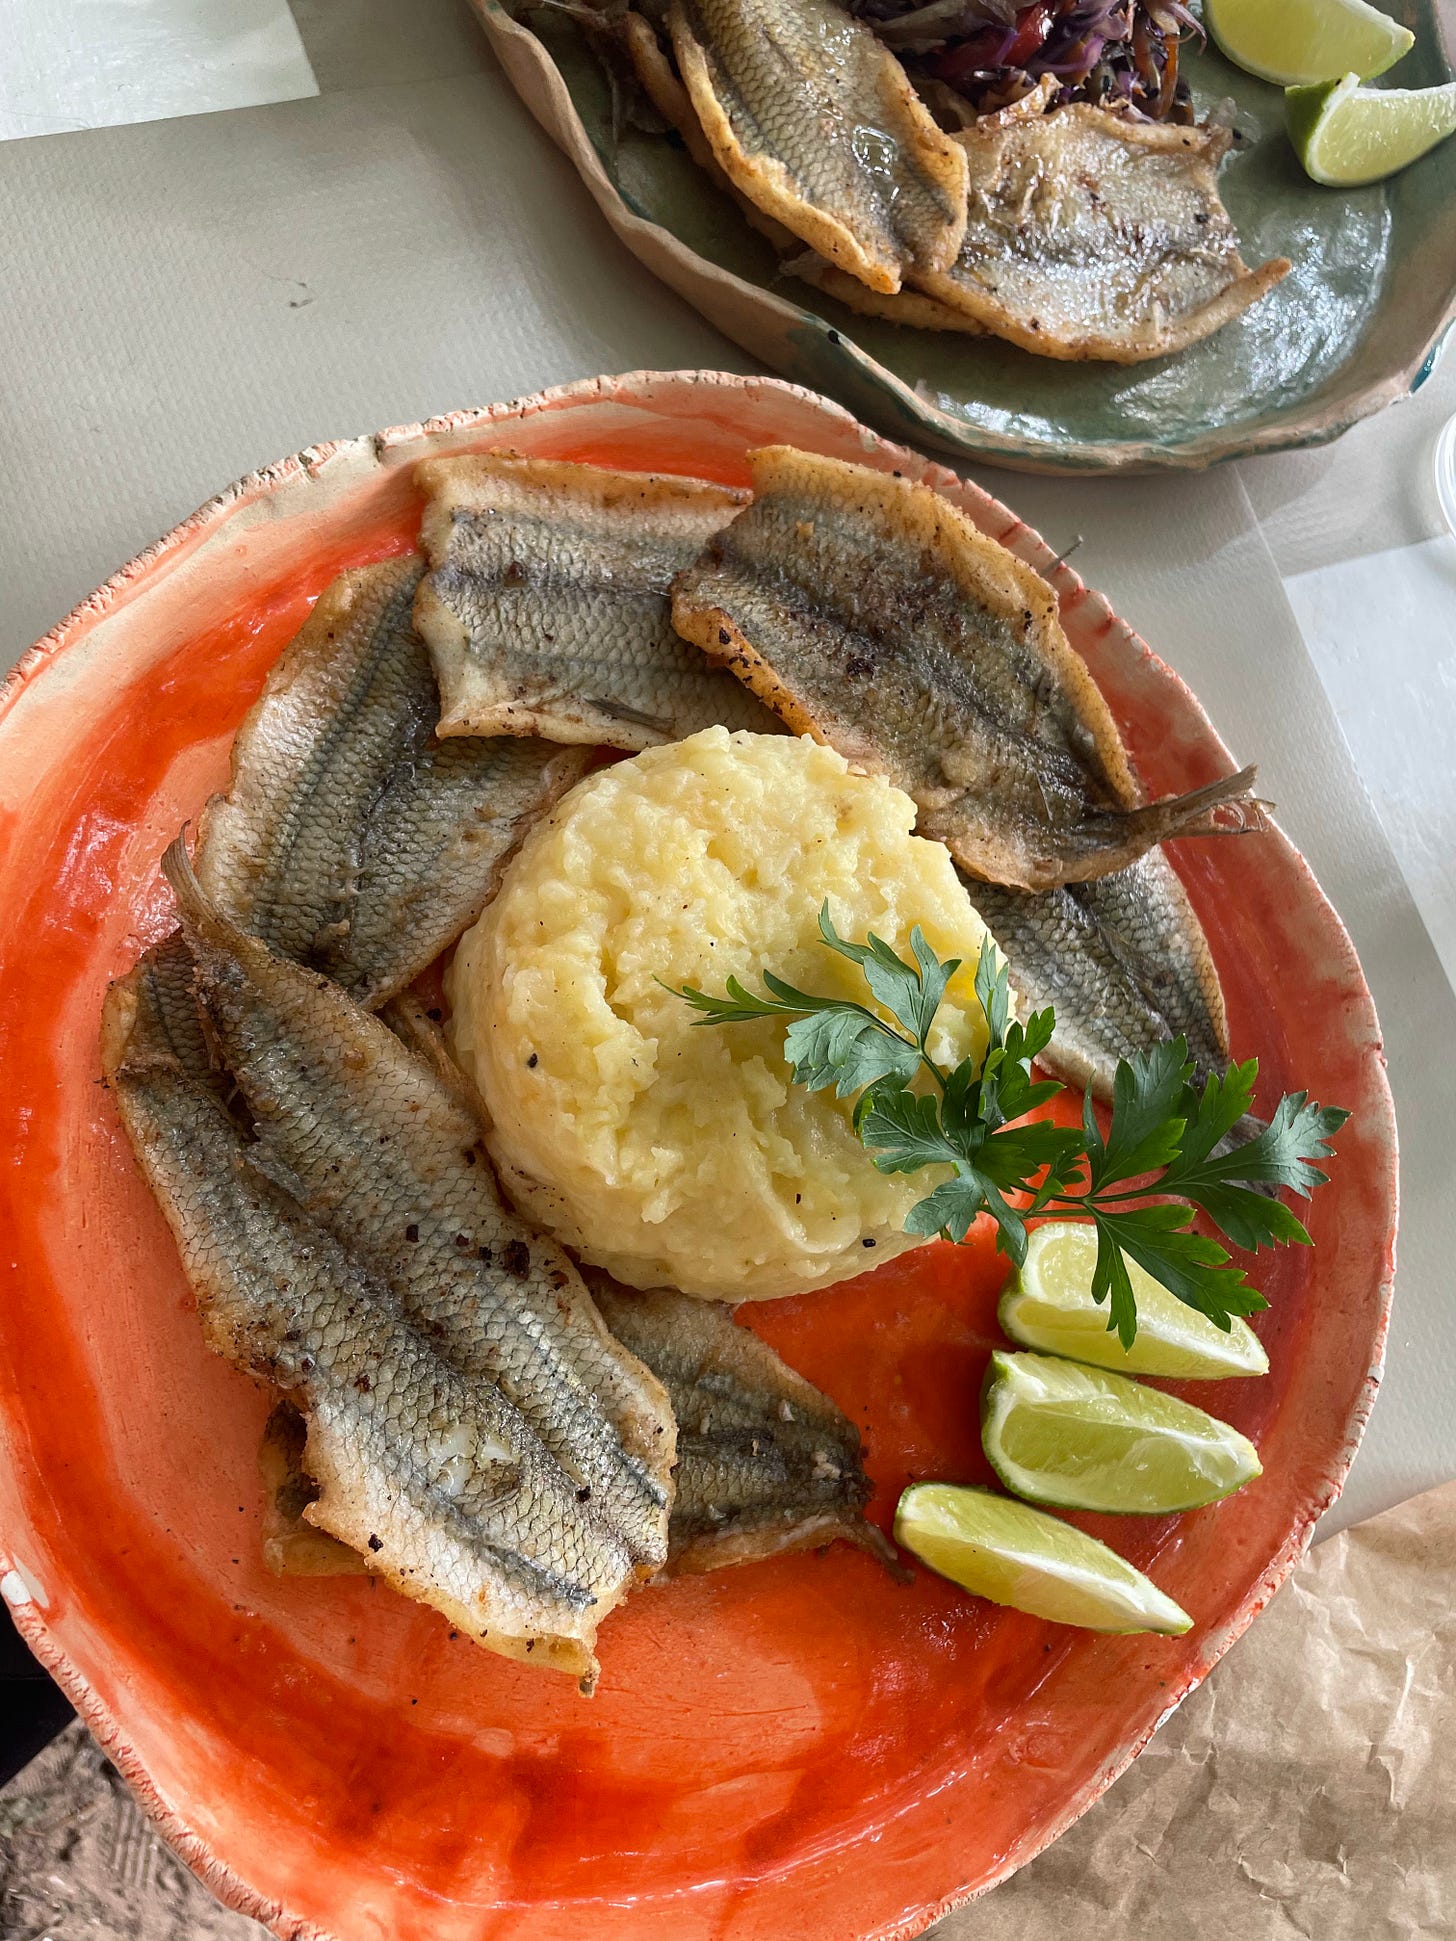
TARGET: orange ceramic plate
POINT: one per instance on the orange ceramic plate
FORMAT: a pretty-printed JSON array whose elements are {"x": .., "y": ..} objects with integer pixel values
[{"x": 799, "y": 1748}]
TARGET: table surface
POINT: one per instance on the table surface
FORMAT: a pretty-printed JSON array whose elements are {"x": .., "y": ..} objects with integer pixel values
[{"x": 388, "y": 235}]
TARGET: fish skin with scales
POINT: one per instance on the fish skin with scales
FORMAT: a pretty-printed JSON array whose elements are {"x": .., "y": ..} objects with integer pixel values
[
  {"x": 1096, "y": 236},
  {"x": 766, "y": 1462},
  {"x": 350, "y": 838},
  {"x": 814, "y": 120},
  {"x": 382, "y": 1154},
  {"x": 547, "y": 608},
  {"x": 426, "y": 1471},
  {"x": 1122, "y": 960},
  {"x": 866, "y": 610}
]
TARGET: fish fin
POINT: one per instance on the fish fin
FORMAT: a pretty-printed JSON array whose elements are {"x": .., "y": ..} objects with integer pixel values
[
  {"x": 1222, "y": 808},
  {"x": 744, "y": 1541},
  {"x": 1111, "y": 840},
  {"x": 200, "y": 915},
  {"x": 209, "y": 932}
]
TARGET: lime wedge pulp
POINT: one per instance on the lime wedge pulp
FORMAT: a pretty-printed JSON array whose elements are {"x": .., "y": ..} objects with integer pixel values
[
  {"x": 1347, "y": 136},
  {"x": 1014, "y": 1555},
  {"x": 1049, "y": 1305},
  {"x": 1295, "y": 42},
  {"x": 1078, "y": 1438}
]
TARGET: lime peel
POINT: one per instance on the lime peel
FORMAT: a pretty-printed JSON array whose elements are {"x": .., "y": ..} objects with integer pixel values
[
  {"x": 1016, "y": 1556},
  {"x": 1076, "y": 1438},
  {"x": 1048, "y": 1305},
  {"x": 1348, "y": 136},
  {"x": 1295, "y": 43}
]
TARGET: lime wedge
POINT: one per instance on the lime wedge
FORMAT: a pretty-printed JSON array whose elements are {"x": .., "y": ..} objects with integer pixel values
[
  {"x": 1014, "y": 1555},
  {"x": 1049, "y": 1305},
  {"x": 1347, "y": 135},
  {"x": 1081, "y": 1439},
  {"x": 1294, "y": 42}
]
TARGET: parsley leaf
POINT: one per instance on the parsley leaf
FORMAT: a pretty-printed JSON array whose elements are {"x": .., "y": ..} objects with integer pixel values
[
  {"x": 910, "y": 992},
  {"x": 847, "y": 1051},
  {"x": 1146, "y": 1129},
  {"x": 904, "y": 1132},
  {"x": 1170, "y": 1150},
  {"x": 952, "y": 1210}
]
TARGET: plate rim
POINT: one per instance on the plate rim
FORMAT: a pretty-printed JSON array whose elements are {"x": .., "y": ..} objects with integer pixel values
[{"x": 636, "y": 389}]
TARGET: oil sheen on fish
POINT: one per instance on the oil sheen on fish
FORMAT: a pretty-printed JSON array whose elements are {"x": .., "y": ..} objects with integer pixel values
[
  {"x": 868, "y": 612},
  {"x": 816, "y": 122},
  {"x": 423, "y": 1465},
  {"x": 546, "y": 607},
  {"x": 351, "y": 839},
  {"x": 1092, "y": 235},
  {"x": 765, "y": 1462},
  {"x": 670, "y": 98},
  {"x": 1123, "y": 961},
  {"x": 660, "y": 82}
]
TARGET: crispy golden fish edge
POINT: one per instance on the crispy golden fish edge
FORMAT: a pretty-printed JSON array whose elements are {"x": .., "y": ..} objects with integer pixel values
[
  {"x": 983, "y": 145},
  {"x": 987, "y": 571},
  {"x": 478, "y": 701},
  {"x": 664, "y": 89},
  {"x": 767, "y": 182}
]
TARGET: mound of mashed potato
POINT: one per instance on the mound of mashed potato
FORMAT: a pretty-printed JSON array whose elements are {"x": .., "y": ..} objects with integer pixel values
[{"x": 679, "y": 1155}]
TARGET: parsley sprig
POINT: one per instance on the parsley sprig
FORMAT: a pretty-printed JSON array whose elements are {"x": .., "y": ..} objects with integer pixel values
[{"x": 1171, "y": 1147}]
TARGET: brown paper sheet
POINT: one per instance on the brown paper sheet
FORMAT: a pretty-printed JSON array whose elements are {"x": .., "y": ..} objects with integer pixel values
[
  {"x": 1308, "y": 1788},
  {"x": 1305, "y": 1790}
]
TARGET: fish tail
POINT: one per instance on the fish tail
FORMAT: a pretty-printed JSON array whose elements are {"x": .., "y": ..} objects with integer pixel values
[
  {"x": 202, "y": 921},
  {"x": 1222, "y": 808}
]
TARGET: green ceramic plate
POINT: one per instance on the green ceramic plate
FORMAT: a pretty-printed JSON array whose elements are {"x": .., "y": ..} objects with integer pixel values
[{"x": 1356, "y": 323}]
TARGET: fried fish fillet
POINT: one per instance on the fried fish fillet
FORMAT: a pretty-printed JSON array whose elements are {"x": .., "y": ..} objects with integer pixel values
[
  {"x": 766, "y": 1464},
  {"x": 546, "y": 607},
  {"x": 870, "y": 613},
  {"x": 1095, "y": 236},
  {"x": 351, "y": 839},
  {"x": 388, "y": 1160},
  {"x": 765, "y": 1461},
  {"x": 1124, "y": 962},
  {"x": 422, "y": 1462},
  {"x": 663, "y": 87},
  {"x": 816, "y": 122},
  {"x": 670, "y": 98}
]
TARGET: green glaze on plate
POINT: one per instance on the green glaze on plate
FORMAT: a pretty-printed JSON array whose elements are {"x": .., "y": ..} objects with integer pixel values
[{"x": 1352, "y": 327}]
